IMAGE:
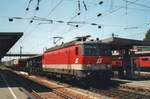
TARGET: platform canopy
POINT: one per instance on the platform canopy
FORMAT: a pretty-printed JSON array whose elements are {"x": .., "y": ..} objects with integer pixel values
[
  {"x": 123, "y": 43},
  {"x": 7, "y": 40}
]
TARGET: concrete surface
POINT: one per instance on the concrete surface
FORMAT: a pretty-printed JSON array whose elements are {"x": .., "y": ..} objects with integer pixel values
[{"x": 9, "y": 89}]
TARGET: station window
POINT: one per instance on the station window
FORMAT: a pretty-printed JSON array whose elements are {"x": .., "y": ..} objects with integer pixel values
[{"x": 76, "y": 51}]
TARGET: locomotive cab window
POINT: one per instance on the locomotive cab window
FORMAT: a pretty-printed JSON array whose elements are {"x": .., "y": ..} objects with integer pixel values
[
  {"x": 96, "y": 50},
  {"x": 76, "y": 51}
]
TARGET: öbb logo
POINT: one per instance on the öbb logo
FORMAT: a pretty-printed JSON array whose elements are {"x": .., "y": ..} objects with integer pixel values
[{"x": 99, "y": 60}]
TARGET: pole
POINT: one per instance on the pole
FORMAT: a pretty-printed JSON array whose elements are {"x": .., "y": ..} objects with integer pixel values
[{"x": 20, "y": 51}]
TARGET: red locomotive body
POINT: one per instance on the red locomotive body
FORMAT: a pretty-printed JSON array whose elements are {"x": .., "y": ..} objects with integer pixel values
[
  {"x": 143, "y": 63},
  {"x": 79, "y": 59},
  {"x": 141, "y": 59}
]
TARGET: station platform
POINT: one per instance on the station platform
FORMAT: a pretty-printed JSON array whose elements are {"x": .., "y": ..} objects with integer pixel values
[
  {"x": 9, "y": 88},
  {"x": 139, "y": 85}
]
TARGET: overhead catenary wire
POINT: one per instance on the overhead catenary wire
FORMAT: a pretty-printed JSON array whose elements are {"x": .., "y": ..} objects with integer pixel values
[
  {"x": 136, "y": 34},
  {"x": 25, "y": 31},
  {"x": 138, "y": 4},
  {"x": 70, "y": 21},
  {"x": 59, "y": 21},
  {"x": 53, "y": 9},
  {"x": 37, "y": 5},
  {"x": 124, "y": 26},
  {"x": 126, "y": 7},
  {"x": 47, "y": 16},
  {"x": 111, "y": 4},
  {"x": 30, "y": 18},
  {"x": 110, "y": 12},
  {"x": 87, "y": 22},
  {"x": 28, "y": 5},
  {"x": 50, "y": 20},
  {"x": 72, "y": 24},
  {"x": 44, "y": 19},
  {"x": 85, "y": 6}
]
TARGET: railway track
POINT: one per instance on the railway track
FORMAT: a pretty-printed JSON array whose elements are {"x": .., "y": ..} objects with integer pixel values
[
  {"x": 120, "y": 94},
  {"x": 60, "y": 93},
  {"x": 37, "y": 91},
  {"x": 113, "y": 90}
]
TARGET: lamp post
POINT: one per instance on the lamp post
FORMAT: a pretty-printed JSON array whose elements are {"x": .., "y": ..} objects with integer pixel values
[{"x": 20, "y": 51}]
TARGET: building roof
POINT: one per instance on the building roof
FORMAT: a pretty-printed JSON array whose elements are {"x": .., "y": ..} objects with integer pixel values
[
  {"x": 146, "y": 42},
  {"x": 7, "y": 40},
  {"x": 123, "y": 43}
]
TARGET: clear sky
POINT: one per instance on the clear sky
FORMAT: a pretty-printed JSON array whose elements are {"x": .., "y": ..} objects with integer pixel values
[{"x": 125, "y": 18}]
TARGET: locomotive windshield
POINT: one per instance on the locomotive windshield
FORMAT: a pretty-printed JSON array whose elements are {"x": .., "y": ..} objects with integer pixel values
[{"x": 96, "y": 50}]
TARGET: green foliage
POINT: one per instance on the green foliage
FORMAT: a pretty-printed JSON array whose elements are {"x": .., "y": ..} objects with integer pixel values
[{"x": 147, "y": 35}]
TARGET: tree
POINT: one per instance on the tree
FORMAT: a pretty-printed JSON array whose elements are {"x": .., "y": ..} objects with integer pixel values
[{"x": 147, "y": 35}]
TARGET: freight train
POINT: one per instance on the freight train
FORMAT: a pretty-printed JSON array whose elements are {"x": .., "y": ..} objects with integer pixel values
[{"x": 78, "y": 59}]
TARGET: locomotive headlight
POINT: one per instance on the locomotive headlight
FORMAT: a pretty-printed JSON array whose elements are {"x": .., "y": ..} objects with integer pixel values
[
  {"x": 88, "y": 65},
  {"x": 108, "y": 66}
]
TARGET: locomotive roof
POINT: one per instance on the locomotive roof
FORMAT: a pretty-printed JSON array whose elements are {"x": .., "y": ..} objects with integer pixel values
[{"x": 75, "y": 42}]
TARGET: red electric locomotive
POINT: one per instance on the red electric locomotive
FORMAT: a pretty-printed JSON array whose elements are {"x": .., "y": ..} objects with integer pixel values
[
  {"x": 143, "y": 63},
  {"x": 141, "y": 60},
  {"x": 79, "y": 59}
]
